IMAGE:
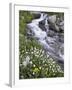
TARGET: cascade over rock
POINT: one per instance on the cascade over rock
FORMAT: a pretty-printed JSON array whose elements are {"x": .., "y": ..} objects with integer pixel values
[{"x": 49, "y": 35}]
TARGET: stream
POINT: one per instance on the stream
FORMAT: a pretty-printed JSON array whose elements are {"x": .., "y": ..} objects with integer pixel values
[{"x": 45, "y": 32}]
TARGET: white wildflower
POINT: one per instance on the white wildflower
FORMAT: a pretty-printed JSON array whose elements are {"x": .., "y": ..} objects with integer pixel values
[
  {"x": 33, "y": 73},
  {"x": 32, "y": 52},
  {"x": 41, "y": 55},
  {"x": 39, "y": 67},
  {"x": 22, "y": 77},
  {"x": 37, "y": 52},
  {"x": 43, "y": 61},
  {"x": 34, "y": 65},
  {"x": 50, "y": 67},
  {"x": 59, "y": 68},
  {"x": 53, "y": 62},
  {"x": 31, "y": 48},
  {"x": 37, "y": 55},
  {"x": 35, "y": 48},
  {"x": 53, "y": 70},
  {"x": 53, "y": 66},
  {"x": 26, "y": 62},
  {"x": 27, "y": 58},
  {"x": 47, "y": 55},
  {"x": 20, "y": 64},
  {"x": 43, "y": 51},
  {"x": 30, "y": 62},
  {"x": 26, "y": 52}
]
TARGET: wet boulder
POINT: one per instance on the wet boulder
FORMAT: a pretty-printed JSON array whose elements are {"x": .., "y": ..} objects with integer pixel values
[{"x": 52, "y": 19}]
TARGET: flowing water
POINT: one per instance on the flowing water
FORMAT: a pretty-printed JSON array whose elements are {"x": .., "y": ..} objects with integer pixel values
[{"x": 51, "y": 40}]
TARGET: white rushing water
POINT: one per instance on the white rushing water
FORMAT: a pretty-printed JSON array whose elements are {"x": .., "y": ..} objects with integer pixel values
[{"x": 49, "y": 43}]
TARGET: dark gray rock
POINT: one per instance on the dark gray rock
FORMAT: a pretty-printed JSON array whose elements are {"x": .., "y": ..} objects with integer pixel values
[
  {"x": 54, "y": 27},
  {"x": 61, "y": 25}
]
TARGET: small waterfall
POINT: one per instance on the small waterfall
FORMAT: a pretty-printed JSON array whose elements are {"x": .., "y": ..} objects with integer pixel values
[{"x": 51, "y": 43}]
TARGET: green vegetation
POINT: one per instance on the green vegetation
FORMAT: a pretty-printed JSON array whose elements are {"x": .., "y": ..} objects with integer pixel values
[{"x": 33, "y": 61}]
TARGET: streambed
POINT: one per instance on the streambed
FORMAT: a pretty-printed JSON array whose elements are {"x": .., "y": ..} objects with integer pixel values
[{"x": 50, "y": 34}]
